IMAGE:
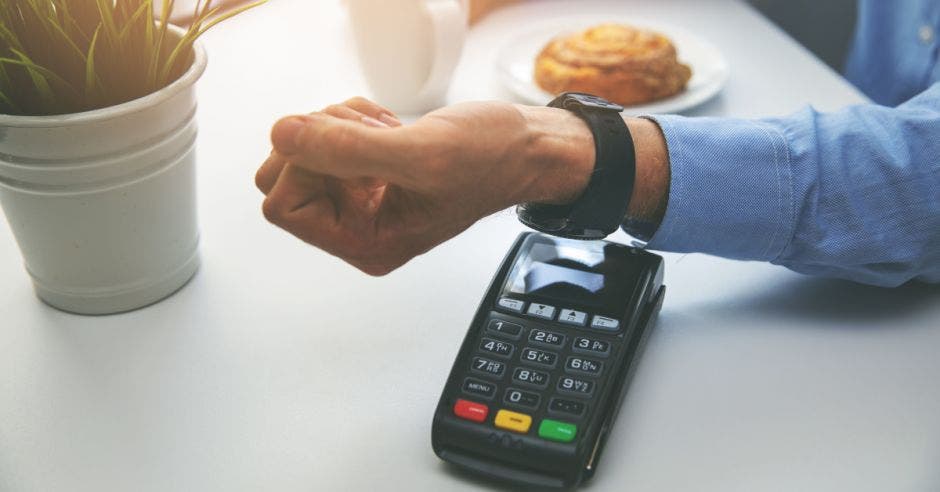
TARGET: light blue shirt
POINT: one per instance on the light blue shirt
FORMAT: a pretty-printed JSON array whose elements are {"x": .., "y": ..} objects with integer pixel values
[{"x": 853, "y": 194}]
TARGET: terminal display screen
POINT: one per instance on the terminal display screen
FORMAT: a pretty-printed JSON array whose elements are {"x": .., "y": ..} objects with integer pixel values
[{"x": 568, "y": 272}]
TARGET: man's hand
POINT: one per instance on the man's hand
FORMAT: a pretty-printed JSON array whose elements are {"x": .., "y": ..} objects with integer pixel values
[
  {"x": 355, "y": 182},
  {"x": 377, "y": 195}
]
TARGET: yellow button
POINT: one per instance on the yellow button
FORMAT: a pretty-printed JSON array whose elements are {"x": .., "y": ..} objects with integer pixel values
[{"x": 514, "y": 421}]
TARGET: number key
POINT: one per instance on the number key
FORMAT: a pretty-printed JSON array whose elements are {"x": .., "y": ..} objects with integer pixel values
[
  {"x": 591, "y": 346},
  {"x": 521, "y": 398},
  {"x": 583, "y": 366},
  {"x": 488, "y": 367},
  {"x": 496, "y": 347},
  {"x": 546, "y": 338},
  {"x": 504, "y": 329},
  {"x": 575, "y": 386},
  {"x": 530, "y": 377},
  {"x": 540, "y": 357}
]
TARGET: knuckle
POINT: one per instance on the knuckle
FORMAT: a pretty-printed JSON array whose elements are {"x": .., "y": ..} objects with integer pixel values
[
  {"x": 273, "y": 210},
  {"x": 379, "y": 255},
  {"x": 362, "y": 251},
  {"x": 375, "y": 269},
  {"x": 333, "y": 109},
  {"x": 368, "y": 255},
  {"x": 264, "y": 178},
  {"x": 357, "y": 101}
]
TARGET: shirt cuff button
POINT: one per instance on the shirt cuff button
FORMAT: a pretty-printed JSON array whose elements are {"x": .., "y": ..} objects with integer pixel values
[{"x": 925, "y": 33}]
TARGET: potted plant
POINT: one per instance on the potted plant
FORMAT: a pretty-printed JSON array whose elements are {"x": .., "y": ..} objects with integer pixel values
[{"x": 97, "y": 135}]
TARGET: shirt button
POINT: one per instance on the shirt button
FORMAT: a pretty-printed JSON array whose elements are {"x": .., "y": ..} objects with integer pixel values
[{"x": 925, "y": 33}]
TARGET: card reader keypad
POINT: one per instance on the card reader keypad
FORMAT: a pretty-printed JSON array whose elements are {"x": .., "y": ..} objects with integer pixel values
[
  {"x": 539, "y": 357},
  {"x": 590, "y": 346},
  {"x": 522, "y": 398},
  {"x": 488, "y": 367},
  {"x": 504, "y": 329},
  {"x": 530, "y": 377},
  {"x": 479, "y": 388},
  {"x": 566, "y": 316},
  {"x": 546, "y": 338},
  {"x": 572, "y": 317},
  {"x": 575, "y": 386},
  {"x": 553, "y": 372},
  {"x": 496, "y": 347},
  {"x": 543, "y": 311},
  {"x": 580, "y": 365},
  {"x": 570, "y": 407}
]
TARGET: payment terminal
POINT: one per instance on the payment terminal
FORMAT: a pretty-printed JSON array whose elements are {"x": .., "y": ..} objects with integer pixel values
[{"x": 543, "y": 369}]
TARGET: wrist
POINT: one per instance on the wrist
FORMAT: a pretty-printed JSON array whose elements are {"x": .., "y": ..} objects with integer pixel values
[
  {"x": 558, "y": 155},
  {"x": 651, "y": 184}
]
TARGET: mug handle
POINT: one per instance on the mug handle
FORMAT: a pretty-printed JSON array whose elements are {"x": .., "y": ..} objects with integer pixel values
[{"x": 449, "y": 24}]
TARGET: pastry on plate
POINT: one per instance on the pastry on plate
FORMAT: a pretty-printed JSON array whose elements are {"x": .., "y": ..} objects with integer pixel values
[{"x": 620, "y": 63}]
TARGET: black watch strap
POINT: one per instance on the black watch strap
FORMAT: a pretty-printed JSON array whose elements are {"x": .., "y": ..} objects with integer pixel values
[{"x": 601, "y": 208}]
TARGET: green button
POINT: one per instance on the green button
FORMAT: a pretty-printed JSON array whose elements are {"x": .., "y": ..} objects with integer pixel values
[{"x": 557, "y": 431}]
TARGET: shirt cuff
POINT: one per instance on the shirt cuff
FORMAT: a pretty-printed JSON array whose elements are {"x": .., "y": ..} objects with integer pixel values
[{"x": 730, "y": 191}]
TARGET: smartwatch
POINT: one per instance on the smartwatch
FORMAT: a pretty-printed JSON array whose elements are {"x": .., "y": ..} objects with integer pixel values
[{"x": 602, "y": 206}]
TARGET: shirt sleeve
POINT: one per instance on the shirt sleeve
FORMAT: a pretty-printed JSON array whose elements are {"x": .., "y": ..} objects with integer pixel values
[{"x": 853, "y": 194}]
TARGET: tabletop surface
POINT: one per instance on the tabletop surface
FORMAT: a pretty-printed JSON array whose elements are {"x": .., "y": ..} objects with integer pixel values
[{"x": 281, "y": 368}]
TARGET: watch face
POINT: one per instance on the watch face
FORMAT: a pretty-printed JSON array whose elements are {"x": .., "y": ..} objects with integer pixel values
[
  {"x": 532, "y": 216},
  {"x": 543, "y": 218},
  {"x": 582, "y": 234}
]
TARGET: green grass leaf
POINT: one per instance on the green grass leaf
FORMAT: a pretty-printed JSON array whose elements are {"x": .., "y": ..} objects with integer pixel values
[
  {"x": 91, "y": 77},
  {"x": 228, "y": 15},
  {"x": 183, "y": 45},
  {"x": 144, "y": 7},
  {"x": 62, "y": 56},
  {"x": 106, "y": 8},
  {"x": 43, "y": 72},
  {"x": 7, "y": 104},
  {"x": 157, "y": 54},
  {"x": 37, "y": 74},
  {"x": 67, "y": 41}
]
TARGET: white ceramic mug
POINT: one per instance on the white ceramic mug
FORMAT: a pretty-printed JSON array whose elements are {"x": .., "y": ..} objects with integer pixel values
[{"x": 408, "y": 49}]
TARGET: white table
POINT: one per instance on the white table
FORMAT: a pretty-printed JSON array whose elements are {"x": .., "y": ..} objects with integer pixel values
[{"x": 281, "y": 368}]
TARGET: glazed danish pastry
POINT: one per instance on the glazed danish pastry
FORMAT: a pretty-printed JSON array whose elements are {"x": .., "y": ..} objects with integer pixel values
[{"x": 620, "y": 63}]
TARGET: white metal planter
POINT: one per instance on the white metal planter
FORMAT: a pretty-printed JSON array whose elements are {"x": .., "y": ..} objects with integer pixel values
[{"x": 103, "y": 203}]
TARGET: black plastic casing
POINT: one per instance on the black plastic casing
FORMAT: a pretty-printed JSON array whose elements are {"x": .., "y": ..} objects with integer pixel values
[{"x": 528, "y": 459}]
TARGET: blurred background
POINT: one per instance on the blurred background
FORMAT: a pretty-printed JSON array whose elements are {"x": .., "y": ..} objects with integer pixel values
[{"x": 825, "y": 27}]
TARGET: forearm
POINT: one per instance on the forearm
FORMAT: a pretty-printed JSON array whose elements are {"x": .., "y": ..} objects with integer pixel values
[
  {"x": 651, "y": 185},
  {"x": 853, "y": 194}
]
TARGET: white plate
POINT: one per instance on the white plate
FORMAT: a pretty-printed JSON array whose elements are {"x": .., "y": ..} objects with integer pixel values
[{"x": 515, "y": 64}]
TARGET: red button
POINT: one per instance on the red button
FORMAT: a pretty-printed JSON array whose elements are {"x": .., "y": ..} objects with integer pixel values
[{"x": 476, "y": 412}]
